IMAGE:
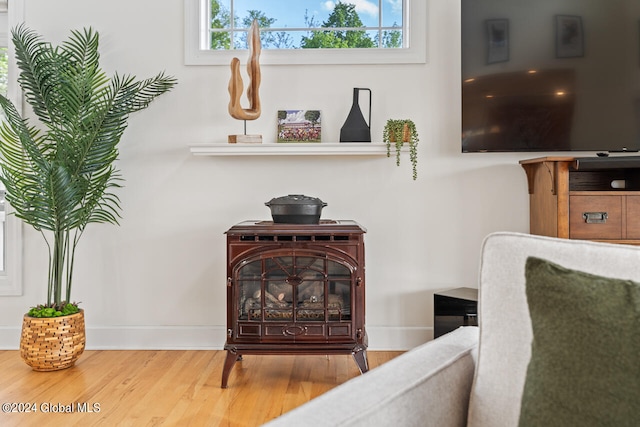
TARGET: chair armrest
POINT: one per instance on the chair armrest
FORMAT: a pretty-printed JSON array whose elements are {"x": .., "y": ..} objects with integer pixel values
[{"x": 427, "y": 386}]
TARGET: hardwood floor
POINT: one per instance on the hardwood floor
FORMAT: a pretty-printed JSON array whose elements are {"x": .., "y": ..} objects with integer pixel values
[{"x": 167, "y": 388}]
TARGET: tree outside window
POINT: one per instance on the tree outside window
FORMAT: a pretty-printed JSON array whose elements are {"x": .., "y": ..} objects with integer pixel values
[
  {"x": 284, "y": 25},
  {"x": 4, "y": 74},
  {"x": 4, "y": 70}
]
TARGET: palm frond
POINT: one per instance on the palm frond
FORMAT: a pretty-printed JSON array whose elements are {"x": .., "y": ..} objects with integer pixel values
[
  {"x": 61, "y": 175},
  {"x": 39, "y": 71}
]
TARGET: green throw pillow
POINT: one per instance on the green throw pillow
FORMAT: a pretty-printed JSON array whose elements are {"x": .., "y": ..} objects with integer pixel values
[{"x": 585, "y": 356}]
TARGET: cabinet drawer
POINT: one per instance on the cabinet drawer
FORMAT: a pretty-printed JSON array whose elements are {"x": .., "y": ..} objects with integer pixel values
[
  {"x": 633, "y": 217},
  {"x": 595, "y": 217}
]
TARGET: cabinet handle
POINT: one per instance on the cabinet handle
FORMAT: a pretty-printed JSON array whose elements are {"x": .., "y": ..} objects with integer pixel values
[{"x": 595, "y": 217}]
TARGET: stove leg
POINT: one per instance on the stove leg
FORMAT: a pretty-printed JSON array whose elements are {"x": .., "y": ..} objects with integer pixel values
[
  {"x": 232, "y": 357},
  {"x": 360, "y": 356}
]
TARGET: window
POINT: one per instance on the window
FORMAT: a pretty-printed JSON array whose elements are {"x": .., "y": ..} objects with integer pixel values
[
  {"x": 290, "y": 24},
  {"x": 10, "y": 226},
  {"x": 4, "y": 74},
  {"x": 307, "y": 31}
]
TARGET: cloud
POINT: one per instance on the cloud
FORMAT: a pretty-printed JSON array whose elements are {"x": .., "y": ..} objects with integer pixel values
[
  {"x": 396, "y": 5},
  {"x": 362, "y": 6},
  {"x": 328, "y": 5},
  {"x": 295, "y": 116}
]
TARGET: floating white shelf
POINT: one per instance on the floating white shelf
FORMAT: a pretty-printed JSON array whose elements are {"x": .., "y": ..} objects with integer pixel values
[{"x": 292, "y": 149}]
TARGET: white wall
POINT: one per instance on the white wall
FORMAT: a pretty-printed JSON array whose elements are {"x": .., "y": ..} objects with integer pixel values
[{"x": 158, "y": 280}]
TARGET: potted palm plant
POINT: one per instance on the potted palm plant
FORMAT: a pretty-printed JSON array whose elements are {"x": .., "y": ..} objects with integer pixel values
[
  {"x": 60, "y": 175},
  {"x": 399, "y": 132}
]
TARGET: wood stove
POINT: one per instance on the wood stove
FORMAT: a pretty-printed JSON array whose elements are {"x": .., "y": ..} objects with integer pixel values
[{"x": 295, "y": 289}]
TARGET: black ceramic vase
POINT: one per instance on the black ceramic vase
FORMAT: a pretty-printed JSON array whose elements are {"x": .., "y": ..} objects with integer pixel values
[{"x": 355, "y": 128}]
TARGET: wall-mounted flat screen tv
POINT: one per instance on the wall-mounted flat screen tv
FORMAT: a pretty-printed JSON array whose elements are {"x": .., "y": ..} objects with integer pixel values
[{"x": 550, "y": 75}]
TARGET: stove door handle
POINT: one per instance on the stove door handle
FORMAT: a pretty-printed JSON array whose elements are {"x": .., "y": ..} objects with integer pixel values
[{"x": 294, "y": 330}]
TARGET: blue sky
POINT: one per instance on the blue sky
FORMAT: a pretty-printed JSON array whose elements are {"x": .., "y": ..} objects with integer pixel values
[{"x": 290, "y": 13}]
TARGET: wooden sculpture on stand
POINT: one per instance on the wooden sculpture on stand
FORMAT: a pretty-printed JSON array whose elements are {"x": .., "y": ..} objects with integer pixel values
[{"x": 236, "y": 87}]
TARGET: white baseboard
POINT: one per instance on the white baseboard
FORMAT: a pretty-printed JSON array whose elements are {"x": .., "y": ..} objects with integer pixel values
[{"x": 208, "y": 337}]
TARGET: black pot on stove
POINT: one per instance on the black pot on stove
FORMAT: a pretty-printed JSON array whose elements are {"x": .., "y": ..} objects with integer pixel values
[{"x": 296, "y": 209}]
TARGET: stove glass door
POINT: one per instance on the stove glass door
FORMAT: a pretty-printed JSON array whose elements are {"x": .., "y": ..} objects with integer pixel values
[{"x": 294, "y": 288}]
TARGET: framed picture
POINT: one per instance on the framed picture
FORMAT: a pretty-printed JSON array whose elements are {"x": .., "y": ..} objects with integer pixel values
[
  {"x": 569, "y": 37},
  {"x": 299, "y": 126},
  {"x": 497, "y": 40}
]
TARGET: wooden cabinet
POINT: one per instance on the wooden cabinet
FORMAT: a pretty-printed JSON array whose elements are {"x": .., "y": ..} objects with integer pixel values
[{"x": 592, "y": 198}]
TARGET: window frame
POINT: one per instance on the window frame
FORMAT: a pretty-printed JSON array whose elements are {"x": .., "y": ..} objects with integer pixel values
[
  {"x": 415, "y": 16},
  {"x": 11, "y": 276}
]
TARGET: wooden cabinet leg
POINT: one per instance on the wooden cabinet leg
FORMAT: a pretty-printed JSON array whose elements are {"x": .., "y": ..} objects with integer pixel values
[{"x": 232, "y": 357}]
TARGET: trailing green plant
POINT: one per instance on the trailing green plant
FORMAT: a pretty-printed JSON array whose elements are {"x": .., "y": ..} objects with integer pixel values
[
  {"x": 60, "y": 175},
  {"x": 398, "y": 132}
]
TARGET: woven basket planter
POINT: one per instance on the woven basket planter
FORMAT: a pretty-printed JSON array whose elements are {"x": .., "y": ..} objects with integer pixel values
[
  {"x": 52, "y": 343},
  {"x": 406, "y": 134}
]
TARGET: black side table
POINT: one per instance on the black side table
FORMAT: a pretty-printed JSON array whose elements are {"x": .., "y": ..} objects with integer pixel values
[{"x": 454, "y": 308}]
